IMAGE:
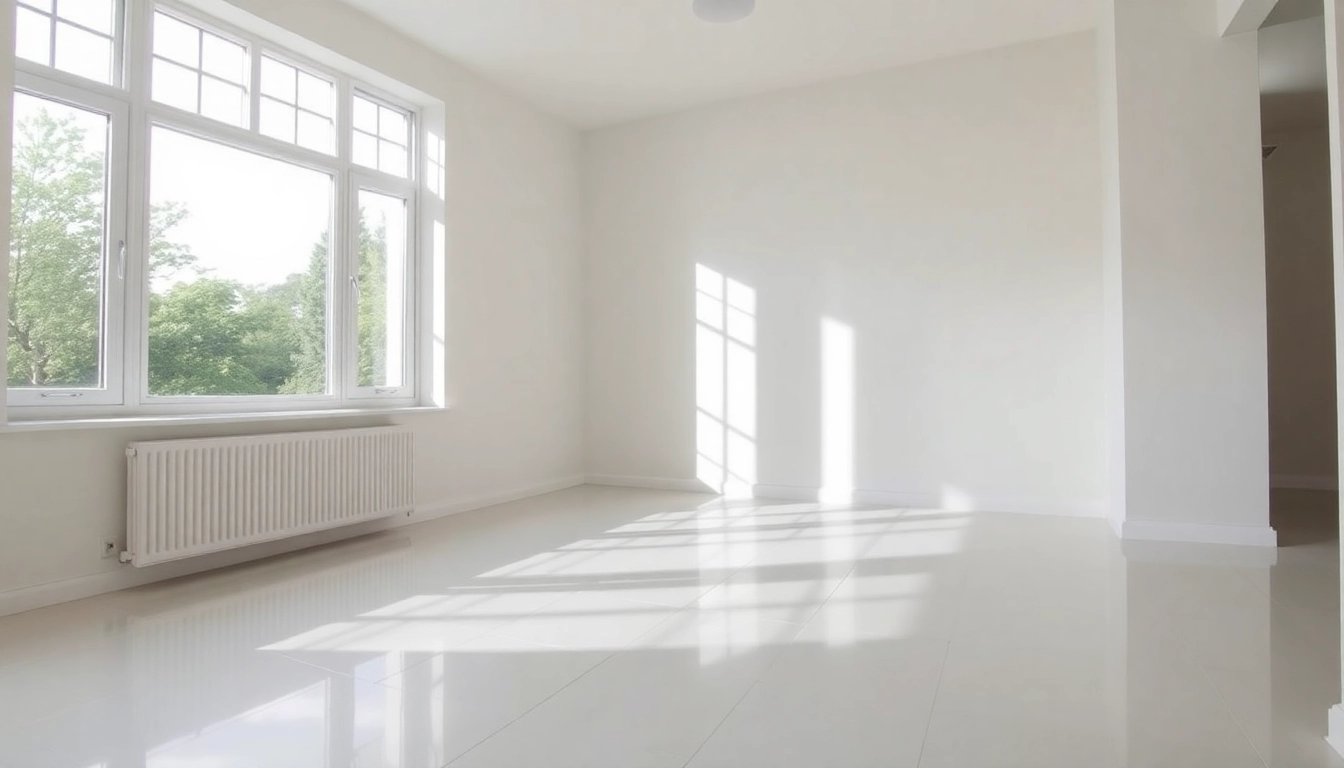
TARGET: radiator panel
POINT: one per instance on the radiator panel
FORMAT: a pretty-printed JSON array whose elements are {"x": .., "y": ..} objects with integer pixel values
[{"x": 192, "y": 497}]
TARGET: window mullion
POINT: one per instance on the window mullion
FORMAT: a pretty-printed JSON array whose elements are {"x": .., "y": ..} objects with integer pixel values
[
  {"x": 135, "y": 373},
  {"x": 119, "y": 47},
  {"x": 343, "y": 297},
  {"x": 344, "y": 304},
  {"x": 254, "y": 90}
]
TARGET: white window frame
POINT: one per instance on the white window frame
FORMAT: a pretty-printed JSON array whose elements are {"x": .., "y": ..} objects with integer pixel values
[
  {"x": 114, "y": 260},
  {"x": 377, "y": 183},
  {"x": 126, "y": 365}
]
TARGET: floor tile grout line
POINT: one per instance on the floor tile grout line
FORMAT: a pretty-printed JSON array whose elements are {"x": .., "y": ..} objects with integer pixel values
[
  {"x": 562, "y": 688},
  {"x": 1241, "y": 728},
  {"x": 933, "y": 705},
  {"x": 802, "y": 627},
  {"x": 529, "y": 710},
  {"x": 1189, "y": 658},
  {"x": 689, "y": 606},
  {"x": 719, "y": 725}
]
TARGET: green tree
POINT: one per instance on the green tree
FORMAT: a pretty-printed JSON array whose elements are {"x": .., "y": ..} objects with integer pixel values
[
  {"x": 311, "y": 308},
  {"x": 197, "y": 341},
  {"x": 55, "y": 264},
  {"x": 55, "y": 255},
  {"x": 207, "y": 336},
  {"x": 372, "y": 314}
]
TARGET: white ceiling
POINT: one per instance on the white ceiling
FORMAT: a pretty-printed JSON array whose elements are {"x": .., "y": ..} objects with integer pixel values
[
  {"x": 596, "y": 62},
  {"x": 1285, "y": 11}
]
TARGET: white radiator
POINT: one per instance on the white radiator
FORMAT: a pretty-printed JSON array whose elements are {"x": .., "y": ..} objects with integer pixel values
[{"x": 191, "y": 497}]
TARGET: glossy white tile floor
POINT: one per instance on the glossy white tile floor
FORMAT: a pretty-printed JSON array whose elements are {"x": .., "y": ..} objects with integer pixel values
[{"x": 606, "y": 627}]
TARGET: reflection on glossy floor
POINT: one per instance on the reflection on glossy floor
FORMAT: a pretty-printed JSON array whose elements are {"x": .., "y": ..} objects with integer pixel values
[{"x": 606, "y": 627}]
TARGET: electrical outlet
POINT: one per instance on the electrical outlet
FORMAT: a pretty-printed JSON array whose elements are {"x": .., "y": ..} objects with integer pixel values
[{"x": 110, "y": 548}]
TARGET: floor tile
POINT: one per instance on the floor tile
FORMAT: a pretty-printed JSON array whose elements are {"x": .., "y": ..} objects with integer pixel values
[
  {"x": 651, "y": 704},
  {"x": 614, "y": 627},
  {"x": 855, "y": 704}
]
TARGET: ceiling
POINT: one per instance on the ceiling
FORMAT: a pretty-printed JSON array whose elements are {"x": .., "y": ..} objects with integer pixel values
[
  {"x": 1292, "y": 10},
  {"x": 1292, "y": 68},
  {"x": 597, "y": 62}
]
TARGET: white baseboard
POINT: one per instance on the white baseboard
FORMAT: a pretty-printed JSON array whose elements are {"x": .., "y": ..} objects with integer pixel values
[
  {"x": 1305, "y": 482},
  {"x": 125, "y": 577},
  {"x": 907, "y": 500},
  {"x": 481, "y": 501},
  {"x": 1117, "y": 525},
  {"x": 654, "y": 483},
  {"x": 785, "y": 492},
  {"x": 1335, "y": 732},
  {"x": 1199, "y": 533}
]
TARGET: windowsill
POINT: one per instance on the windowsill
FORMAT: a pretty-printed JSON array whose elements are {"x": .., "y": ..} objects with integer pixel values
[{"x": 177, "y": 420}]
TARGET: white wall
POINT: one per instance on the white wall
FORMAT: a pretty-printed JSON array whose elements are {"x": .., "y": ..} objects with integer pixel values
[
  {"x": 514, "y": 330},
  {"x": 948, "y": 213},
  {"x": 1189, "y": 287},
  {"x": 1300, "y": 290}
]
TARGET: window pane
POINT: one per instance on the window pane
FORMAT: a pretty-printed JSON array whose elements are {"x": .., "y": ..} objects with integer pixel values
[
  {"x": 33, "y": 41},
  {"x": 382, "y": 296},
  {"x": 94, "y": 14},
  {"x": 224, "y": 59},
  {"x": 366, "y": 115},
  {"x": 56, "y": 247},
  {"x": 277, "y": 79},
  {"x": 176, "y": 40},
  {"x": 238, "y": 287},
  {"x": 392, "y": 125},
  {"x": 277, "y": 120},
  {"x": 314, "y": 132},
  {"x": 315, "y": 94},
  {"x": 42, "y": 5},
  {"x": 365, "y": 150},
  {"x": 221, "y": 101},
  {"x": 174, "y": 85},
  {"x": 391, "y": 158},
  {"x": 83, "y": 53}
]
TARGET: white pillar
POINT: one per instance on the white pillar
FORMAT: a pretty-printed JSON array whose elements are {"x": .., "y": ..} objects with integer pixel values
[{"x": 1187, "y": 398}]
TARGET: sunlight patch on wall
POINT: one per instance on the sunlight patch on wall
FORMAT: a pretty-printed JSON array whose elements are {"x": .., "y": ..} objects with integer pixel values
[
  {"x": 725, "y": 383},
  {"x": 837, "y": 412}
]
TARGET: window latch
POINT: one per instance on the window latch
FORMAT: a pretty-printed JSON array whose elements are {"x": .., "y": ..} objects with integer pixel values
[
  {"x": 121, "y": 259},
  {"x": 354, "y": 283},
  {"x": 386, "y": 390},
  {"x": 64, "y": 395}
]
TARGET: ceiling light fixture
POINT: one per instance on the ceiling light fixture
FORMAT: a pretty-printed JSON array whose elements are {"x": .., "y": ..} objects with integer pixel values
[{"x": 723, "y": 11}]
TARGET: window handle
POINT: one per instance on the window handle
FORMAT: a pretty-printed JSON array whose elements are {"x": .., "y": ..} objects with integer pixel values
[
  {"x": 65, "y": 395},
  {"x": 121, "y": 259},
  {"x": 354, "y": 283},
  {"x": 386, "y": 390}
]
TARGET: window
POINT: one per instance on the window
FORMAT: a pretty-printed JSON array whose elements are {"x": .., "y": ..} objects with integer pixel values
[
  {"x": 236, "y": 310},
  {"x": 57, "y": 240},
  {"x": 382, "y": 137},
  {"x": 199, "y": 71},
  {"x": 247, "y": 259},
  {"x": 381, "y": 284},
  {"x": 75, "y": 36},
  {"x": 296, "y": 106}
]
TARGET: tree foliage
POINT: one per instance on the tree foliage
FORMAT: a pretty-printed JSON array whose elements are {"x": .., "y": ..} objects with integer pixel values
[
  {"x": 55, "y": 256},
  {"x": 207, "y": 336}
]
